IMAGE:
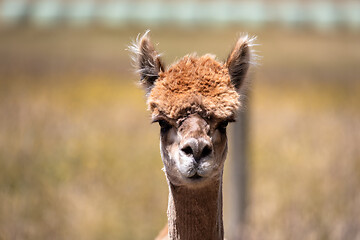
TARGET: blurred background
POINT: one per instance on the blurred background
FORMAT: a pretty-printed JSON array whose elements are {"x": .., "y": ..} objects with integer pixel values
[{"x": 79, "y": 158}]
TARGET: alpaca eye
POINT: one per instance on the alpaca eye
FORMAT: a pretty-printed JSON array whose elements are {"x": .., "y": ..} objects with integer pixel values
[
  {"x": 222, "y": 126},
  {"x": 164, "y": 125}
]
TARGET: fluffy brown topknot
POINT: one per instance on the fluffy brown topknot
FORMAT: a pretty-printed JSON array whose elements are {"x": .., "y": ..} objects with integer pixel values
[{"x": 194, "y": 85}]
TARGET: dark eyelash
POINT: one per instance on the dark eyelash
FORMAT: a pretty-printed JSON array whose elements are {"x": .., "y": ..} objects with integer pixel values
[
  {"x": 222, "y": 126},
  {"x": 164, "y": 125}
]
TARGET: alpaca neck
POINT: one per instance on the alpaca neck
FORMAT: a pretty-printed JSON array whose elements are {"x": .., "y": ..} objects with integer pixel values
[{"x": 195, "y": 213}]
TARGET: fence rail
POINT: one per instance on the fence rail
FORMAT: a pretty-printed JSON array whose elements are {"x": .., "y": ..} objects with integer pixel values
[{"x": 322, "y": 14}]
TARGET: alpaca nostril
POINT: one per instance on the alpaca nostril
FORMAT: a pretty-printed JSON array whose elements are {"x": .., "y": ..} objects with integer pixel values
[
  {"x": 197, "y": 148},
  {"x": 206, "y": 151},
  {"x": 187, "y": 150}
]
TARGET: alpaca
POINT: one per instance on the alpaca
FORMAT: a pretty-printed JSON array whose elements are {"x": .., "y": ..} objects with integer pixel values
[{"x": 193, "y": 101}]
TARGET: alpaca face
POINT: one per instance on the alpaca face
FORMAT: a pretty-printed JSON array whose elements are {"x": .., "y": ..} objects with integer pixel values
[
  {"x": 193, "y": 101},
  {"x": 193, "y": 149}
]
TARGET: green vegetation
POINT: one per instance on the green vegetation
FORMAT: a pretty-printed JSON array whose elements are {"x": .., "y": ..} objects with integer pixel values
[{"x": 80, "y": 160}]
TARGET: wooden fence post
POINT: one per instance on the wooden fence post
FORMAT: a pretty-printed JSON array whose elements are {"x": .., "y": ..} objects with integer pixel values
[{"x": 237, "y": 190}]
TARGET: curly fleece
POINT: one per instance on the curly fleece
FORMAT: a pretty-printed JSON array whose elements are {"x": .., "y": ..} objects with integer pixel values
[{"x": 194, "y": 85}]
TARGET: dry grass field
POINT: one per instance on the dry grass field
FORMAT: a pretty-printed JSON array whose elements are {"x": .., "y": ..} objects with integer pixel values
[{"x": 80, "y": 160}]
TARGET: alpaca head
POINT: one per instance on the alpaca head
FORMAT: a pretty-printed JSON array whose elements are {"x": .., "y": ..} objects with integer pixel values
[{"x": 193, "y": 101}]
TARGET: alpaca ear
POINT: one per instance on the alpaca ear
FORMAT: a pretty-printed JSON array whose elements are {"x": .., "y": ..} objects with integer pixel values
[
  {"x": 147, "y": 61},
  {"x": 238, "y": 61}
]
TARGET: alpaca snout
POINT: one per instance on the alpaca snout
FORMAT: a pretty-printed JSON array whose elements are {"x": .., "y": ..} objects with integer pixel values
[{"x": 197, "y": 149}]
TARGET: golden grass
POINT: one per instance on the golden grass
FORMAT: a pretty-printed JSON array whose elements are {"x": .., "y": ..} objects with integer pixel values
[{"x": 80, "y": 160}]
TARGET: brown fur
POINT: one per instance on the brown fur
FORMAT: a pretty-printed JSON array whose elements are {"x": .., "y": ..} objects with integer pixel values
[
  {"x": 193, "y": 100},
  {"x": 194, "y": 85}
]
